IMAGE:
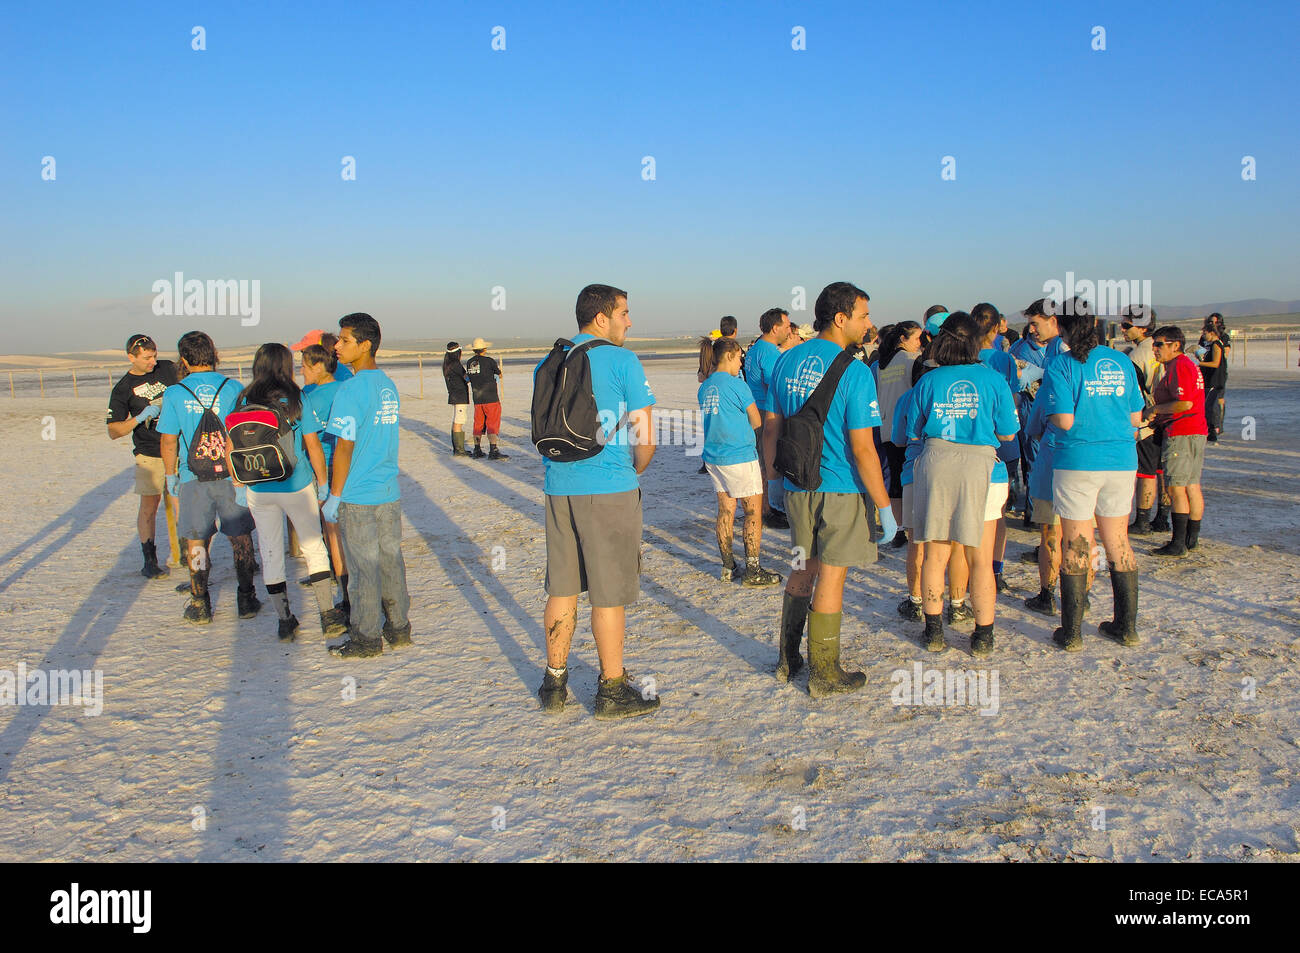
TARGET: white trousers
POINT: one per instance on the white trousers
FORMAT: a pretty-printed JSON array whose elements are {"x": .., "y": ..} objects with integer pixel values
[{"x": 269, "y": 511}]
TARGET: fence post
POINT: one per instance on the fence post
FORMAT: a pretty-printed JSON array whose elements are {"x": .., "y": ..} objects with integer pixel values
[
  {"x": 11, "y": 384},
  {"x": 74, "y": 383},
  {"x": 420, "y": 360},
  {"x": 41, "y": 374},
  {"x": 110, "y": 384},
  {"x": 241, "y": 372},
  {"x": 1243, "y": 350},
  {"x": 1286, "y": 352}
]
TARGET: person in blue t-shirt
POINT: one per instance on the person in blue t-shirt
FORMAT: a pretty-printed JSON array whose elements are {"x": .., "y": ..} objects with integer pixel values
[
  {"x": 830, "y": 526},
  {"x": 910, "y": 607},
  {"x": 961, "y": 410},
  {"x": 294, "y": 497},
  {"x": 364, "y": 497},
  {"x": 593, "y": 514},
  {"x": 1094, "y": 409},
  {"x": 320, "y": 371},
  {"x": 731, "y": 425},
  {"x": 759, "y": 363},
  {"x": 205, "y": 503},
  {"x": 1007, "y": 471}
]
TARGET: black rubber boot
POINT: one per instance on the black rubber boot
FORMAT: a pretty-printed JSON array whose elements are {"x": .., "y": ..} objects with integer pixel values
[
  {"x": 1141, "y": 526},
  {"x": 615, "y": 698},
  {"x": 199, "y": 611},
  {"x": 932, "y": 640},
  {"x": 1160, "y": 522},
  {"x": 151, "y": 568},
  {"x": 827, "y": 677},
  {"x": 554, "y": 691},
  {"x": 1193, "y": 534},
  {"x": 478, "y": 453},
  {"x": 794, "y": 613},
  {"x": 1123, "y": 628},
  {"x": 981, "y": 643},
  {"x": 1074, "y": 589},
  {"x": 1177, "y": 545}
]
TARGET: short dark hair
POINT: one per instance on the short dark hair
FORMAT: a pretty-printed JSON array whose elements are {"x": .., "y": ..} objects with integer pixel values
[
  {"x": 727, "y": 325},
  {"x": 1171, "y": 332},
  {"x": 986, "y": 318},
  {"x": 363, "y": 327},
  {"x": 594, "y": 300},
  {"x": 958, "y": 341},
  {"x": 315, "y": 354},
  {"x": 197, "y": 350},
  {"x": 1043, "y": 307},
  {"x": 1076, "y": 305},
  {"x": 838, "y": 297},
  {"x": 931, "y": 311},
  {"x": 771, "y": 318}
]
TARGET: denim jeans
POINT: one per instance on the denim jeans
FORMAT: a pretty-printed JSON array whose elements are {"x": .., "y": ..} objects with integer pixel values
[{"x": 372, "y": 545}]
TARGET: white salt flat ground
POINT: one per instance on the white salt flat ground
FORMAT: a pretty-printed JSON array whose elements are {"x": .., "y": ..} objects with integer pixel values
[{"x": 444, "y": 737}]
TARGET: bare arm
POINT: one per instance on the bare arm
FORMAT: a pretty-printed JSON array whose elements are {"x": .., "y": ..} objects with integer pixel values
[
  {"x": 868, "y": 462},
  {"x": 118, "y": 429},
  {"x": 643, "y": 438},
  {"x": 167, "y": 450},
  {"x": 755, "y": 420},
  {"x": 1059, "y": 421},
  {"x": 771, "y": 430},
  {"x": 342, "y": 463},
  {"x": 316, "y": 454}
]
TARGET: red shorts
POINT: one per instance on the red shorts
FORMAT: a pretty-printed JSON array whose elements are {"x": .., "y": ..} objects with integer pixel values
[{"x": 487, "y": 418}]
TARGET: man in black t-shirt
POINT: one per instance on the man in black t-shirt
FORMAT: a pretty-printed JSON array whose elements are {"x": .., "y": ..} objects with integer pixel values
[
  {"x": 483, "y": 373},
  {"x": 133, "y": 408}
]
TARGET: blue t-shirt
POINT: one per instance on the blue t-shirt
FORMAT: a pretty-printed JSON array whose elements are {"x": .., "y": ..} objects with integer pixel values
[
  {"x": 320, "y": 399},
  {"x": 302, "y": 472},
  {"x": 1004, "y": 365},
  {"x": 1054, "y": 347},
  {"x": 181, "y": 413},
  {"x": 343, "y": 373},
  {"x": 854, "y": 407},
  {"x": 724, "y": 404},
  {"x": 1101, "y": 393},
  {"x": 1040, "y": 474},
  {"x": 759, "y": 362},
  {"x": 1028, "y": 350},
  {"x": 898, "y": 436},
  {"x": 366, "y": 409},
  {"x": 619, "y": 384},
  {"x": 963, "y": 403}
]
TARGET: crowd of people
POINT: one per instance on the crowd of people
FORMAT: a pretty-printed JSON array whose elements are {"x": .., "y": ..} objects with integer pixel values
[{"x": 934, "y": 429}]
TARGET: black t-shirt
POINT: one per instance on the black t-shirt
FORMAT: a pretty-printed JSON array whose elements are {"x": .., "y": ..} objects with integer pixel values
[
  {"x": 482, "y": 372},
  {"x": 132, "y": 394},
  {"x": 1215, "y": 376},
  {"x": 457, "y": 386}
]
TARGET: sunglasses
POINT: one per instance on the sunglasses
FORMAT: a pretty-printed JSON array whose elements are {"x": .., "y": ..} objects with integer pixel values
[{"x": 1162, "y": 343}]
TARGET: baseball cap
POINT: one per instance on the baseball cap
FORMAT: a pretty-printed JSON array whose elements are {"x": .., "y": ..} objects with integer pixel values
[
  {"x": 308, "y": 339},
  {"x": 140, "y": 340},
  {"x": 805, "y": 331}
]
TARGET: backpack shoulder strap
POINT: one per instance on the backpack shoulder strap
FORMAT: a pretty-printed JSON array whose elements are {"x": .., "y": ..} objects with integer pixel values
[{"x": 821, "y": 398}]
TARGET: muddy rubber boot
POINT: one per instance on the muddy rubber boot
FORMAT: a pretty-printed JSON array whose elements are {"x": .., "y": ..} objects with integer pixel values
[
  {"x": 1177, "y": 545},
  {"x": 827, "y": 677},
  {"x": 1123, "y": 628},
  {"x": 151, "y": 568},
  {"x": 458, "y": 445},
  {"x": 794, "y": 613},
  {"x": 478, "y": 453},
  {"x": 1193, "y": 534},
  {"x": 616, "y": 698},
  {"x": 555, "y": 690},
  {"x": 1074, "y": 589},
  {"x": 933, "y": 640},
  {"x": 1160, "y": 522},
  {"x": 1141, "y": 526},
  {"x": 199, "y": 611},
  {"x": 981, "y": 643}
]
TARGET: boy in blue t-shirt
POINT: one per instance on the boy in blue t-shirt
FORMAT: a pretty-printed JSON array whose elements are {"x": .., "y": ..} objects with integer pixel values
[
  {"x": 364, "y": 497},
  {"x": 829, "y": 526},
  {"x": 759, "y": 363},
  {"x": 205, "y": 503}
]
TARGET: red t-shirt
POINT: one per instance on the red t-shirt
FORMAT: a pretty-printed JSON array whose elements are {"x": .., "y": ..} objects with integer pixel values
[{"x": 1183, "y": 381}]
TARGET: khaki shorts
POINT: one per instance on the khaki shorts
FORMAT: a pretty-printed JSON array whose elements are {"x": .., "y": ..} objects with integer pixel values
[
  {"x": 1043, "y": 513},
  {"x": 1183, "y": 459},
  {"x": 148, "y": 475},
  {"x": 593, "y": 545},
  {"x": 830, "y": 527},
  {"x": 459, "y": 414},
  {"x": 906, "y": 521}
]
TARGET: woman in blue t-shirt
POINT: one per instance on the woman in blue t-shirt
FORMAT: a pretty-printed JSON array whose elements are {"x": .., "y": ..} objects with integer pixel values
[
  {"x": 320, "y": 369},
  {"x": 273, "y": 386},
  {"x": 960, "y": 410},
  {"x": 731, "y": 457},
  {"x": 1094, "y": 409}
]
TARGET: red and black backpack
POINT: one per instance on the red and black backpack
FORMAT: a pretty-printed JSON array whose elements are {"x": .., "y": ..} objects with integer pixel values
[{"x": 263, "y": 444}]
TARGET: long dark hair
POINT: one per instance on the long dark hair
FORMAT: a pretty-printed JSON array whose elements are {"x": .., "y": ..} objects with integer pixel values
[
  {"x": 958, "y": 341},
  {"x": 1079, "y": 332},
  {"x": 713, "y": 355},
  {"x": 273, "y": 381},
  {"x": 891, "y": 340},
  {"x": 451, "y": 365}
]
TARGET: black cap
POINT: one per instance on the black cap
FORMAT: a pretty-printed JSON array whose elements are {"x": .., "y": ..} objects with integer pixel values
[{"x": 140, "y": 340}]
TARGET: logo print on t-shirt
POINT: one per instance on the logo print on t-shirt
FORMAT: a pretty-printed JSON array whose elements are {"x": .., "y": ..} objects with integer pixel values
[
  {"x": 1109, "y": 379},
  {"x": 712, "y": 401},
  {"x": 387, "y": 412},
  {"x": 808, "y": 375},
  {"x": 962, "y": 400}
]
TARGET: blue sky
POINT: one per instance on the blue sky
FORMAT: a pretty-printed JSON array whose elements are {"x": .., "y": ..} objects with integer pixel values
[{"x": 523, "y": 169}]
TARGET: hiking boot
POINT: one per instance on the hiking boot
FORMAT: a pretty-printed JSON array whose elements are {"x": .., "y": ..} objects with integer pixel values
[
  {"x": 478, "y": 453},
  {"x": 199, "y": 611},
  {"x": 615, "y": 698},
  {"x": 910, "y": 610},
  {"x": 151, "y": 568},
  {"x": 1043, "y": 603},
  {"x": 397, "y": 637},
  {"x": 248, "y": 603},
  {"x": 345, "y": 607},
  {"x": 933, "y": 640},
  {"x": 1123, "y": 628},
  {"x": 1073, "y": 590},
  {"x": 960, "y": 612},
  {"x": 794, "y": 613},
  {"x": 827, "y": 677},
  {"x": 182, "y": 587},
  {"x": 728, "y": 572},
  {"x": 288, "y": 629},
  {"x": 900, "y": 539},
  {"x": 755, "y": 577},
  {"x": 554, "y": 691},
  {"x": 1030, "y": 556},
  {"x": 333, "y": 623},
  {"x": 776, "y": 520},
  {"x": 1001, "y": 584},
  {"x": 357, "y": 648},
  {"x": 495, "y": 454}
]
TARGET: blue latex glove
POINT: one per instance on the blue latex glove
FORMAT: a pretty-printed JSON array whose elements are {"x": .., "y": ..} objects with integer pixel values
[
  {"x": 322, "y": 492},
  {"x": 148, "y": 414},
  {"x": 241, "y": 496},
  {"x": 888, "y": 526},
  {"x": 1030, "y": 374},
  {"x": 331, "y": 509},
  {"x": 173, "y": 481}
]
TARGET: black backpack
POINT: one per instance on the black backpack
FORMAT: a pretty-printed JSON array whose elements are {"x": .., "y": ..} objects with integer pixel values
[
  {"x": 566, "y": 423},
  {"x": 263, "y": 444},
  {"x": 799, "y": 445},
  {"x": 207, "y": 445}
]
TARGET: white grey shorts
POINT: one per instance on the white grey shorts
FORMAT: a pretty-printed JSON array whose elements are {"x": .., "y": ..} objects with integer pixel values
[
  {"x": 459, "y": 413},
  {"x": 1082, "y": 494},
  {"x": 737, "y": 480},
  {"x": 997, "y": 499},
  {"x": 906, "y": 521}
]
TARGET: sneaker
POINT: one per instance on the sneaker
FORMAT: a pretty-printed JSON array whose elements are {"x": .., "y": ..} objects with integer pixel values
[
  {"x": 1030, "y": 556},
  {"x": 495, "y": 454},
  {"x": 554, "y": 691},
  {"x": 615, "y": 698},
  {"x": 1044, "y": 603},
  {"x": 200, "y": 613},
  {"x": 776, "y": 520},
  {"x": 728, "y": 573},
  {"x": 288, "y": 629},
  {"x": 961, "y": 612},
  {"x": 478, "y": 453},
  {"x": 757, "y": 577},
  {"x": 248, "y": 604},
  {"x": 900, "y": 539},
  {"x": 357, "y": 648},
  {"x": 910, "y": 610},
  {"x": 333, "y": 623},
  {"x": 397, "y": 637}
]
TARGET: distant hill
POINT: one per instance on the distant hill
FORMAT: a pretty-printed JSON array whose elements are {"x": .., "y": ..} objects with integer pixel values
[{"x": 1229, "y": 309}]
